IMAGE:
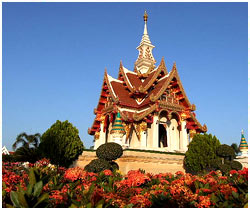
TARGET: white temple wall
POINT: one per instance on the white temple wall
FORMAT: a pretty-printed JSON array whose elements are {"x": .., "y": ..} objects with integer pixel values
[
  {"x": 174, "y": 135},
  {"x": 134, "y": 142},
  {"x": 143, "y": 139},
  {"x": 150, "y": 137},
  {"x": 155, "y": 129},
  {"x": 183, "y": 137}
]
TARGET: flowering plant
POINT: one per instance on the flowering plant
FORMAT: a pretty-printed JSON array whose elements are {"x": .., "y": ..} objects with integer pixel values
[{"x": 75, "y": 187}]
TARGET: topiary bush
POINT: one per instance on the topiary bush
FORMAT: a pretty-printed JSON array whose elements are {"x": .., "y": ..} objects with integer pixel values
[
  {"x": 226, "y": 152},
  {"x": 97, "y": 165},
  {"x": 225, "y": 168},
  {"x": 109, "y": 151},
  {"x": 236, "y": 165},
  {"x": 114, "y": 166}
]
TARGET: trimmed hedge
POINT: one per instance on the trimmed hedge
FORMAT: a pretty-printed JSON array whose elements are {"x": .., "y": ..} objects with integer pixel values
[
  {"x": 109, "y": 151},
  {"x": 226, "y": 152},
  {"x": 236, "y": 165},
  {"x": 97, "y": 165}
]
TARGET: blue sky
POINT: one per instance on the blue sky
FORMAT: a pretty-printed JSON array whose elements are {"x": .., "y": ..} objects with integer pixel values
[{"x": 54, "y": 56}]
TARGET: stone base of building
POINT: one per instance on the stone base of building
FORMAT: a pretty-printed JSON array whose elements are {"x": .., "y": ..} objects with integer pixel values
[
  {"x": 134, "y": 160},
  {"x": 243, "y": 160}
]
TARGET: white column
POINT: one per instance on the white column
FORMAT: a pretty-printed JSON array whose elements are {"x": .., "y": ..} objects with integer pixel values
[
  {"x": 143, "y": 139},
  {"x": 168, "y": 138},
  {"x": 183, "y": 137},
  {"x": 155, "y": 127}
]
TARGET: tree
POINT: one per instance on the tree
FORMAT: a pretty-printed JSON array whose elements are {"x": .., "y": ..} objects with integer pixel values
[
  {"x": 201, "y": 153},
  {"x": 61, "y": 143},
  {"x": 27, "y": 140},
  {"x": 236, "y": 148},
  {"x": 29, "y": 149}
]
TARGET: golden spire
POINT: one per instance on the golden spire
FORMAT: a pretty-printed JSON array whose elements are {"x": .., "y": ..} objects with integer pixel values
[{"x": 145, "y": 16}]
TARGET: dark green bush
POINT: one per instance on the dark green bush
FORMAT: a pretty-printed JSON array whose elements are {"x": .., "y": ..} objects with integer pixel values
[
  {"x": 226, "y": 152},
  {"x": 215, "y": 164},
  {"x": 225, "y": 168},
  {"x": 114, "y": 166},
  {"x": 236, "y": 165},
  {"x": 97, "y": 165},
  {"x": 61, "y": 144},
  {"x": 201, "y": 151},
  {"x": 109, "y": 151}
]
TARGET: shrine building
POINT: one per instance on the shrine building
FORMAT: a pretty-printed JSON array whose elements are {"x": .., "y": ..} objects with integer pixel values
[{"x": 149, "y": 103}]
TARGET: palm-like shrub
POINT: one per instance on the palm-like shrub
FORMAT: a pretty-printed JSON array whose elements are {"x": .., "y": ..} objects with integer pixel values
[{"x": 27, "y": 140}]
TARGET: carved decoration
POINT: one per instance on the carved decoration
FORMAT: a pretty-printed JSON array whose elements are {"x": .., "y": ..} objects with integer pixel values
[
  {"x": 192, "y": 133},
  {"x": 97, "y": 135}
]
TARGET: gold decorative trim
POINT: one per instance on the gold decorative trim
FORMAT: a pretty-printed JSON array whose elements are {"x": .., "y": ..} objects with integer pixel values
[
  {"x": 161, "y": 67},
  {"x": 140, "y": 116},
  {"x": 168, "y": 105}
]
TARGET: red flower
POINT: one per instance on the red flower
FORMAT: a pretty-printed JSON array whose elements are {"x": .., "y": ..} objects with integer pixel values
[{"x": 107, "y": 172}]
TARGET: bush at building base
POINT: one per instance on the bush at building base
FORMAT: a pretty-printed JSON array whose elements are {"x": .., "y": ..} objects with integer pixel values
[
  {"x": 97, "y": 165},
  {"x": 227, "y": 154},
  {"x": 61, "y": 144},
  {"x": 109, "y": 151},
  {"x": 106, "y": 153},
  {"x": 201, "y": 153}
]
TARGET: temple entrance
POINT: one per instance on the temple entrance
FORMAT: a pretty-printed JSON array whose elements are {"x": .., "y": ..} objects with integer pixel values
[
  {"x": 174, "y": 132},
  {"x": 162, "y": 136},
  {"x": 107, "y": 129}
]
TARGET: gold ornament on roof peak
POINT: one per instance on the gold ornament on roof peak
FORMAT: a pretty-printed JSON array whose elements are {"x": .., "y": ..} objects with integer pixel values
[{"x": 145, "y": 16}]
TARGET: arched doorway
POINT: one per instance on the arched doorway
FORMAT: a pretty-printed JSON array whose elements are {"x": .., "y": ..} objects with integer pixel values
[
  {"x": 174, "y": 132},
  {"x": 107, "y": 123},
  {"x": 162, "y": 137}
]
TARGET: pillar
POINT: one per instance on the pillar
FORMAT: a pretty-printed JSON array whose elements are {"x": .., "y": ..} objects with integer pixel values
[
  {"x": 183, "y": 137},
  {"x": 143, "y": 139}
]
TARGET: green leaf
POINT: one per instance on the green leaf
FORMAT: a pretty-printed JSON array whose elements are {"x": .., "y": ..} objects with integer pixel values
[
  {"x": 29, "y": 190},
  {"x": 88, "y": 205},
  {"x": 73, "y": 206},
  {"x": 100, "y": 204},
  {"x": 32, "y": 177},
  {"x": 38, "y": 188},
  {"x": 235, "y": 195},
  {"x": 41, "y": 199},
  {"x": 14, "y": 199},
  {"x": 9, "y": 206},
  {"x": 22, "y": 201}
]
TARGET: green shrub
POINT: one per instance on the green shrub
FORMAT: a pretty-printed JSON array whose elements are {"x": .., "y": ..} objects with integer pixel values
[
  {"x": 97, "y": 165},
  {"x": 114, "y": 166},
  {"x": 201, "y": 152},
  {"x": 236, "y": 165},
  {"x": 226, "y": 152},
  {"x": 61, "y": 144},
  {"x": 215, "y": 164},
  {"x": 109, "y": 151},
  {"x": 225, "y": 168}
]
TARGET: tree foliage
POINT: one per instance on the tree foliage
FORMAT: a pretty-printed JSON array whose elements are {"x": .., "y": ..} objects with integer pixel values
[
  {"x": 235, "y": 148},
  {"x": 201, "y": 153},
  {"x": 61, "y": 143},
  {"x": 27, "y": 140}
]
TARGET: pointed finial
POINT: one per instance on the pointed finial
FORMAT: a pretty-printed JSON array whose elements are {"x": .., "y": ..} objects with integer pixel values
[
  {"x": 242, "y": 132},
  {"x": 145, "y": 16},
  {"x": 120, "y": 63}
]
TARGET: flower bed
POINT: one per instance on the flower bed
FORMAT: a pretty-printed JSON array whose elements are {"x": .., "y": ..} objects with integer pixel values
[{"x": 75, "y": 187}]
